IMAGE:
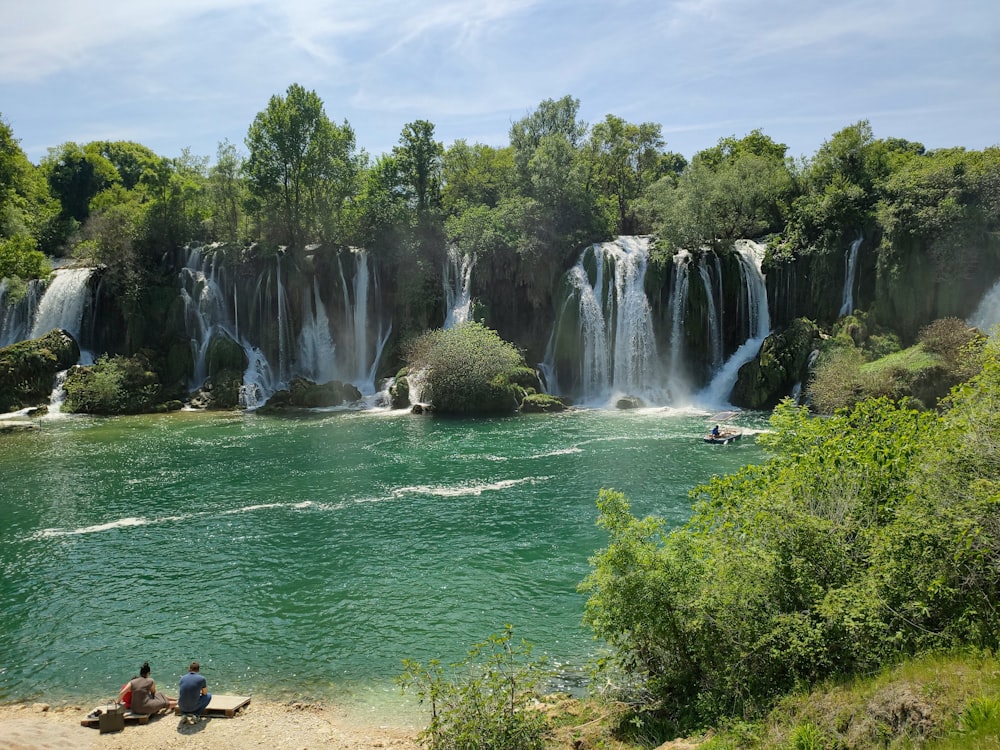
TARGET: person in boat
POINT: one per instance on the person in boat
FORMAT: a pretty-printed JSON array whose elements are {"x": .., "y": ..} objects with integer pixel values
[
  {"x": 139, "y": 694},
  {"x": 715, "y": 431}
]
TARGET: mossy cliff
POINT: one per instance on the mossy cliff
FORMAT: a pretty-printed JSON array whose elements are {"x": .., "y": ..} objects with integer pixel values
[{"x": 28, "y": 368}]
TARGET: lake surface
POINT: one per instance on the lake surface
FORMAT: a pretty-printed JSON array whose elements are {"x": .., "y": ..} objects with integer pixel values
[{"x": 307, "y": 556}]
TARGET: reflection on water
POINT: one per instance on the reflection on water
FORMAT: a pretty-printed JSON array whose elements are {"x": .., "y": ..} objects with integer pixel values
[{"x": 310, "y": 556}]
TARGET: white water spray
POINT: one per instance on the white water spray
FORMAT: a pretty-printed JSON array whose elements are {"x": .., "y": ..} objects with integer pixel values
[
  {"x": 63, "y": 303},
  {"x": 987, "y": 314},
  {"x": 613, "y": 332}
]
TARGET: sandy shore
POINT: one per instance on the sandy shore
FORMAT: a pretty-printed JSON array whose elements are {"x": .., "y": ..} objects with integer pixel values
[{"x": 275, "y": 726}]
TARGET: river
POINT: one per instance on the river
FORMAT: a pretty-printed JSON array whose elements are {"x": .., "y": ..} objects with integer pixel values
[{"x": 307, "y": 556}]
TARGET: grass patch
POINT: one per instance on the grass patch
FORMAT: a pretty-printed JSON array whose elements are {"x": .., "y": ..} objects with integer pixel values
[{"x": 912, "y": 359}]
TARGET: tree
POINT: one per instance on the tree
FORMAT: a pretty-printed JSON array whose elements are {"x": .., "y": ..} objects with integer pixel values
[
  {"x": 27, "y": 212},
  {"x": 551, "y": 118},
  {"x": 476, "y": 175},
  {"x": 301, "y": 167},
  {"x": 737, "y": 189},
  {"x": 624, "y": 160},
  {"x": 419, "y": 158},
  {"x": 226, "y": 193},
  {"x": 75, "y": 175}
]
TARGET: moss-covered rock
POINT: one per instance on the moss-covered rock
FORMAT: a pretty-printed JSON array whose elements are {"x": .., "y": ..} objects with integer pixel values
[
  {"x": 782, "y": 362},
  {"x": 113, "y": 385},
  {"x": 309, "y": 395},
  {"x": 541, "y": 402},
  {"x": 305, "y": 394},
  {"x": 28, "y": 368},
  {"x": 221, "y": 392},
  {"x": 224, "y": 354},
  {"x": 629, "y": 402},
  {"x": 399, "y": 392}
]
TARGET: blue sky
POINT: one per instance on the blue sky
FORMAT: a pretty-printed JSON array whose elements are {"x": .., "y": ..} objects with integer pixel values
[{"x": 172, "y": 74}]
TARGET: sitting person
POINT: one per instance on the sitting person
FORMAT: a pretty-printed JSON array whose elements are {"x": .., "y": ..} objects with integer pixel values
[
  {"x": 193, "y": 697},
  {"x": 139, "y": 694}
]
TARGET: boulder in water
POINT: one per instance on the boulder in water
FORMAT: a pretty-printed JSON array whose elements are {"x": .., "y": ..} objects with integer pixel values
[
  {"x": 629, "y": 402},
  {"x": 305, "y": 394},
  {"x": 535, "y": 403}
]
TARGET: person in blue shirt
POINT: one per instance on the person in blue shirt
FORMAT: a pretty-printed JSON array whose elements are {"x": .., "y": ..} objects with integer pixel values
[{"x": 194, "y": 697}]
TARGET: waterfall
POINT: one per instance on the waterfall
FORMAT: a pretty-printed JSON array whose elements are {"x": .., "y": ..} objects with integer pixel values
[
  {"x": 714, "y": 324},
  {"x": 16, "y": 317},
  {"x": 316, "y": 347},
  {"x": 609, "y": 329},
  {"x": 986, "y": 316},
  {"x": 362, "y": 352},
  {"x": 206, "y": 293},
  {"x": 678, "y": 309},
  {"x": 754, "y": 295},
  {"x": 457, "y": 278},
  {"x": 63, "y": 303},
  {"x": 58, "y": 395},
  {"x": 850, "y": 271}
]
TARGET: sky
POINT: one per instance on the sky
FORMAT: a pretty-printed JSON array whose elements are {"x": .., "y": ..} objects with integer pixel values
[{"x": 176, "y": 74}]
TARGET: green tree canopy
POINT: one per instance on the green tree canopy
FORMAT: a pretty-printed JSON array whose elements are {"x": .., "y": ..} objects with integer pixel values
[
  {"x": 738, "y": 189},
  {"x": 301, "y": 167},
  {"x": 27, "y": 212}
]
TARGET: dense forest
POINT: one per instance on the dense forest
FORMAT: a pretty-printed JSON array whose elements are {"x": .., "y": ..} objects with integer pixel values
[{"x": 884, "y": 228}]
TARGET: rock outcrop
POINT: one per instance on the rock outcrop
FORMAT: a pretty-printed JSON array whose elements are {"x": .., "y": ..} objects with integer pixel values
[{"x": 28, "y": 368}]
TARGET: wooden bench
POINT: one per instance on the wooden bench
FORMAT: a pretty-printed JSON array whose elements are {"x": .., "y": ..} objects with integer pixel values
[{"x": 224, "y": 705}]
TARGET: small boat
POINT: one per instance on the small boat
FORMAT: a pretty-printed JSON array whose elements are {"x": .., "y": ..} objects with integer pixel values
[{"x": 723, "y": 435}]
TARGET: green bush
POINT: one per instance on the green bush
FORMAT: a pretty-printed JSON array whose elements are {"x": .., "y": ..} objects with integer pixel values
[
  {"x": 867, "y": 535},
  {"x": 112, "y": 385},
  {"x": 468, "y": 369},
  {"x": 486, "y": 702}
]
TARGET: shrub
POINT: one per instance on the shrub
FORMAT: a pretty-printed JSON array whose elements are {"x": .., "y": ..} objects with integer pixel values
[
  {"x": 113, "y": 385},
  {"x": 487, "y": 702},
  {"x": 468, "y": 369}
]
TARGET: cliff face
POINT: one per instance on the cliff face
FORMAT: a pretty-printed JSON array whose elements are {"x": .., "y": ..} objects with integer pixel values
[{"x": 624, "y": 318}]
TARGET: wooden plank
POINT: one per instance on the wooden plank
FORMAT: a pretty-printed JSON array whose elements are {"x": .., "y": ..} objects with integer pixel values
[
  {"x": 88, "y": 721},
  {"x": 224, "y": 705}
]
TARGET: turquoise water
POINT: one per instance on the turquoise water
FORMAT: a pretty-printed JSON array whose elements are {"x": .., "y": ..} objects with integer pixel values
[{"x": 308, "y": 556}]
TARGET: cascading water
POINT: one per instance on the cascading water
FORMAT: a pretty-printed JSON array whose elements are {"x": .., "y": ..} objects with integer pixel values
[
  {"x": 16, "y": 316},
  {"x": 316, "y": 347},
  {"x": 203, "y": 288},
  {"x": 362, "y": 349},
  {"x": 457, "y": 279},
  {"x": 754, "y": 294},
  {"x": 603, "y": 345},
  {"x": 714, "y": 316},
  {"x": 987, "y": 314},
  {"x": 63, "y": 303},
  {"x": 850, "y": 272},
  {"x": 678, "y": 308}
]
